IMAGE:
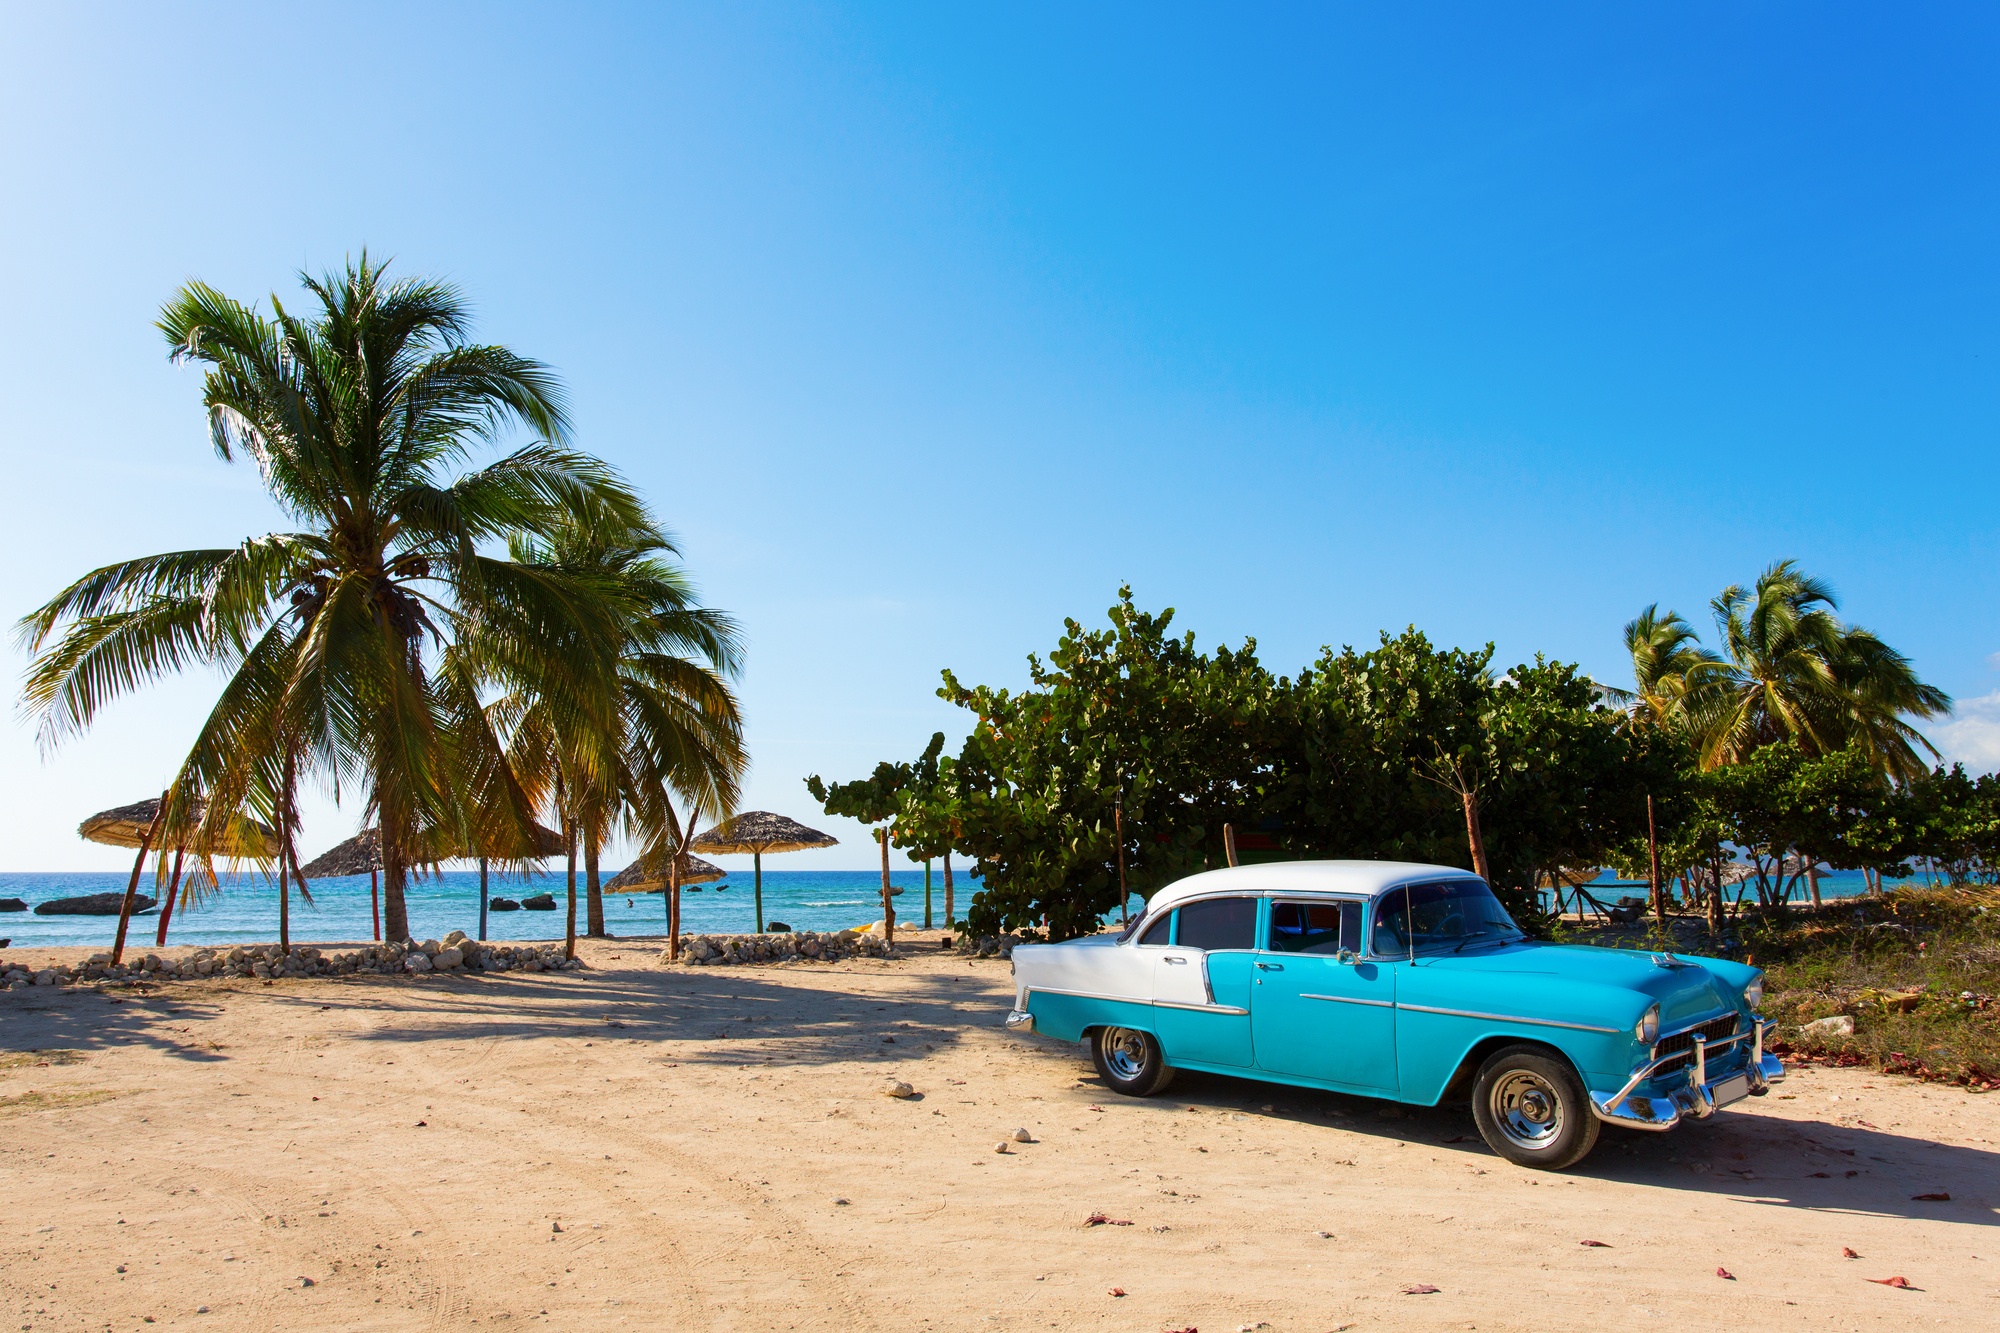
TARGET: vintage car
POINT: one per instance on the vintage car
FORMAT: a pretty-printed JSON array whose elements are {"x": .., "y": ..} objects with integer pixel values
[{"x": 1406, "y": 982}]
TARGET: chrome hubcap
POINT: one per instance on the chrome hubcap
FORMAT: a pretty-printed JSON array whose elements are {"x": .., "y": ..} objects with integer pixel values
[
  {"x": 1527, "y": 1108},
  {"x": 1125, "y": 1052}
]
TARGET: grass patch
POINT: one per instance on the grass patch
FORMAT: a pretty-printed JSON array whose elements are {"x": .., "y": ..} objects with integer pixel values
[
  {"x": 53, "y": 1101},
  {"x": 31, "y": 1059}
]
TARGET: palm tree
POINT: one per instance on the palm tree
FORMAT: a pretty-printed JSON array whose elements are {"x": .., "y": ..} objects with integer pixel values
[
  {"x": 1666, "y": 655},
  {"x": 676, "y": 732},
  {"x": 340, "y": 635},
  {"x": 1791, "y": 669}
]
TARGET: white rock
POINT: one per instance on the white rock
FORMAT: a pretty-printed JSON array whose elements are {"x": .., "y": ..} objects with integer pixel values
[
  {"x": 895, "y": 1087},
  {"x": 1840, "y": 1025},
  {"x": 450, "y": 957},
  {"x": 1022, "y": 1136},
  {"x": 1002, "y": 1146},
  {"x": 416, "y": 962}
]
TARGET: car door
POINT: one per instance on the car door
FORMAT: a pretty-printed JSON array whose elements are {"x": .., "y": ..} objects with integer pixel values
[
  {"x": 1318, "y": 1009},
  {"x": 1201, "y": 983}
]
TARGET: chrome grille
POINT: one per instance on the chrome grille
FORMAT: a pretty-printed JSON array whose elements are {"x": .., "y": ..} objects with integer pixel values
[{"x": 1682, "y": 1043}]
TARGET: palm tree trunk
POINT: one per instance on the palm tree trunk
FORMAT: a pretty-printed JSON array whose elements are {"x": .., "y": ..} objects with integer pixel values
[
  {"x": 888, "y": 906},
  {"x": 1812, "y": 881},
  {"x": 167, "y": 904},
  {"x": 950, "y": 919},
  {"x": 482, "y": 898},
  {"x": 375, "y": 897},
  {"x": 132, "y": 885},
  {"x": 569, "y": 856},
  {"x": 593, "y": 890},
  {"x": 285, "y": 854},
  {"x": 1653, "y": 853},
  {"x": 395, "y": 912}
]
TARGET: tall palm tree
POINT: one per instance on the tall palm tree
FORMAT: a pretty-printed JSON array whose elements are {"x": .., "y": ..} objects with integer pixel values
[
  {"x": 676, "y": 732},
  {"x": 1791, "y": 669},
  {"x": 340, "y": 635},
  {"x": 1668, "y": 662}
]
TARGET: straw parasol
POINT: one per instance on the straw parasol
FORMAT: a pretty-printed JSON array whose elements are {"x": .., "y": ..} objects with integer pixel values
[
  {"x": 362, "y": 855},
  {"x": 132, "y": 826},
  {"x": 758, "y": 832},
  {"x": 639, "y": 878}
]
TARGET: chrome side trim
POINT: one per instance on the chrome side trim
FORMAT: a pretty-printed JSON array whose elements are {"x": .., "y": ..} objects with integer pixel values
[
  {"x": 1029, "y": 991},
  {"x": 1506, "y": 1018},
  {"x": 1350, "y": 999},
  {"x": 1199, "y": 1008}
]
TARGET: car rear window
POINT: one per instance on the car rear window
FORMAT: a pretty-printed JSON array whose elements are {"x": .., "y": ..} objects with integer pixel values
[
  {"x": 1323, "y": 927},
  {"x": 1219, "y": 923}
]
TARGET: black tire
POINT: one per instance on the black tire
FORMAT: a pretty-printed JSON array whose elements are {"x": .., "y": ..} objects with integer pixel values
[
  {"x": 1533, "y": 1110},
  {"x": 1130, "y": 1061}
]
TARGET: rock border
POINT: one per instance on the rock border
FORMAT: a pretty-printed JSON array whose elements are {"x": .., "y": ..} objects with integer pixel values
[{"x": 457, "y": 952}]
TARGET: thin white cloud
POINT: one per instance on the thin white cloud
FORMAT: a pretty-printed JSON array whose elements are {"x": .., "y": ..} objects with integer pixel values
[{"x": 1972, "y": 736}]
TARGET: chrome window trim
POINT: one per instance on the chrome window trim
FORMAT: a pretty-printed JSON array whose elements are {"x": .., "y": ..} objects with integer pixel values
[
  {"x": 1310, "y": 896},
  {"x": 1350, "y": 999},
  {"x": 1507, "y": 1018}
]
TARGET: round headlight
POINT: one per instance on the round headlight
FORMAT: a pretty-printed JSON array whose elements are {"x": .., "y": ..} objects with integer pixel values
[
  {"x": 1647, "y": 1029},
  {"x": 1753, "y": 994}
]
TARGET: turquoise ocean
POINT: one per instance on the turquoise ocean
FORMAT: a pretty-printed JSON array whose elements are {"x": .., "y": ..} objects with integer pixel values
[{"x": 245, "y": 910}]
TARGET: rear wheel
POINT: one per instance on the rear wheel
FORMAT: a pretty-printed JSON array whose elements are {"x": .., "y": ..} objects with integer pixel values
[
  {"x": 1130, "y": 1061},
  {"x": 1533, "y": 1110}
]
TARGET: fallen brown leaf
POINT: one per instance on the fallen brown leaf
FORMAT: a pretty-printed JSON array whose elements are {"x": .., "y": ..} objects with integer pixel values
[
  {"x": 1100, "y": 1220},
  {"x": 1899, "y": 1282},
  {"x": 1936, "y": 1196},
  {"x": 1846, "y": 1253},
  {"x": 1420, "y": 1289},
  {"x": 1118, "y": 1291},
  {"x": 1593, "y": 1245},
  {"x": 1725, "y": 1275}
]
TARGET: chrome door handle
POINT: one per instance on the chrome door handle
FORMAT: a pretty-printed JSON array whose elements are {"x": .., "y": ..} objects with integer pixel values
[
  {"x": 1270, "y": 967},
  {"x": 1182, "y": 961}
]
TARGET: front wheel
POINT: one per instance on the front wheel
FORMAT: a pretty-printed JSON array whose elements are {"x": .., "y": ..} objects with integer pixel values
[
  {"x": 1532, "y": 1109},
  {"x": 1130, "y": 1061}
]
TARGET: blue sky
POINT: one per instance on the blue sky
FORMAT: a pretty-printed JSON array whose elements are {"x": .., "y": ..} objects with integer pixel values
[{"x": 926, "y": 327}]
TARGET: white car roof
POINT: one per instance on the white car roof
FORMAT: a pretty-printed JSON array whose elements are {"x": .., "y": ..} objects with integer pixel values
[{"x": 1359, "y": 877}]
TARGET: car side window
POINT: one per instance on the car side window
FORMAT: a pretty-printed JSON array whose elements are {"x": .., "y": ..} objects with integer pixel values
[
  {"x": 1219, "y": 923},
  {"x": 1161, "y": 931},
  {"x": 1392, "y": 924},
  {"x": 1320, "y": 927}
]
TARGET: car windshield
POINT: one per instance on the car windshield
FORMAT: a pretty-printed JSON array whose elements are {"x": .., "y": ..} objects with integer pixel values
[{"x": 1443, "y": 917}]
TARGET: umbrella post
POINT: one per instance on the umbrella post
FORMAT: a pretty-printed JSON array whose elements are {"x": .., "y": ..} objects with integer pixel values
[
  {"x": 927, "y": 893},
  {"x": 757, "y": 891},
  {"x": 950, "y": 919},
  {"x": 167, "y": 905},
  {"x": 375, "y": 901},
  {"x": 482, "y": 898},
  {"x": 674, "y": 907},
  {"x": 132, "y": 887}
]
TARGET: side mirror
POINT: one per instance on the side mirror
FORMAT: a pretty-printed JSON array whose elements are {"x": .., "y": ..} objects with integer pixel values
[{"x": 1347, "y": 956}]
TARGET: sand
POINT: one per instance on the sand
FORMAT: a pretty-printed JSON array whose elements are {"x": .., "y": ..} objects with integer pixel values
[{"x": 707, "y": 1149}]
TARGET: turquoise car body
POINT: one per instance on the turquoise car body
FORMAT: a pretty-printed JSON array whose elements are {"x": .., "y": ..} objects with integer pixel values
[{"x": 1654, "y": 1037}]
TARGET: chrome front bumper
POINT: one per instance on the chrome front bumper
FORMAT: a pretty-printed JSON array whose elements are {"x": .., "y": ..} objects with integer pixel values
[
  {"x": 1020, "y": 1020},
  {"x": 1702, "y": 1096}
]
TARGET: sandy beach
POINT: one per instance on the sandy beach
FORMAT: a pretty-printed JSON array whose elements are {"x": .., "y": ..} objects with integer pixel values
[{"x": 641, "y": 1148}]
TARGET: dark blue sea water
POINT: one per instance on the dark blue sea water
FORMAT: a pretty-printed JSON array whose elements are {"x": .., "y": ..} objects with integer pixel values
[{"x": 246, "y": 909}]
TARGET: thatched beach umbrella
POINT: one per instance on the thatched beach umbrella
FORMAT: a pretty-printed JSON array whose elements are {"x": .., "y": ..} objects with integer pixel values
[
  {"x": 134, "y": 826},
  {"x": 758, "y": 832},
  {"x": 362, "y": 855},
  {"x": 642, "y": 877}
]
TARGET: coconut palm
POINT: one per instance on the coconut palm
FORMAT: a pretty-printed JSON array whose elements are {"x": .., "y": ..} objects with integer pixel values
[
  {"x": 1666, "y": 655},
  {"x": 340, "y": 636},
  {"x": 676, "y": 733},
  {"x": 1792, "y": 669}
]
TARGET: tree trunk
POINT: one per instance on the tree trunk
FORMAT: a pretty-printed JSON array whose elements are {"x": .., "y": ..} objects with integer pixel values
[
  {"x": 1229, "y": 843},
  {"x": 1715, "y": 900},
  {"x": 132, "y": 885},
  {"x": 1473, "y": 837},
  {"x": 1653, "y": 853},
  {"x": 375, "y": 898},
  {"x": 167, "y": 903},
  {"x": 1812, "y": 881},
  {"x": 950, "y": 920},
  {"x": 395, "y": 912},
  {"x": 482, "y": 898},
  {"x": 594, "y": 891},
  {"x": 286, "y": 857},
  {"x": 569, "y": 857},
  {"x": 1117, "y": 832},
  {"x": 888, "y": 906},
  {"x": 674, "y": 906}
]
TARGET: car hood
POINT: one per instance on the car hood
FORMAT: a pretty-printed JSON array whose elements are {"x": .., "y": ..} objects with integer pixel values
[{"x": 1686, "y": 992}]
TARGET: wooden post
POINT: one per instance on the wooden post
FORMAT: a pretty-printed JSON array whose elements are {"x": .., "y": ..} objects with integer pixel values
[
  {"x": 167, "y": 904},
  {"x": 132, "y": 885},
  {"x": 375, "y": 897},
  {"x": 674, "y": 905},
  {"x": 1229, "y": 842},
  {"x": 888, "y": 907},
  {"x": 757, "y": 886},
  {"x": 482, "y": 898},
  {"x": 1653, "y": 853},
  {"x": 1118, "y": 831},
  {"x": 927, "y": 893}
]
